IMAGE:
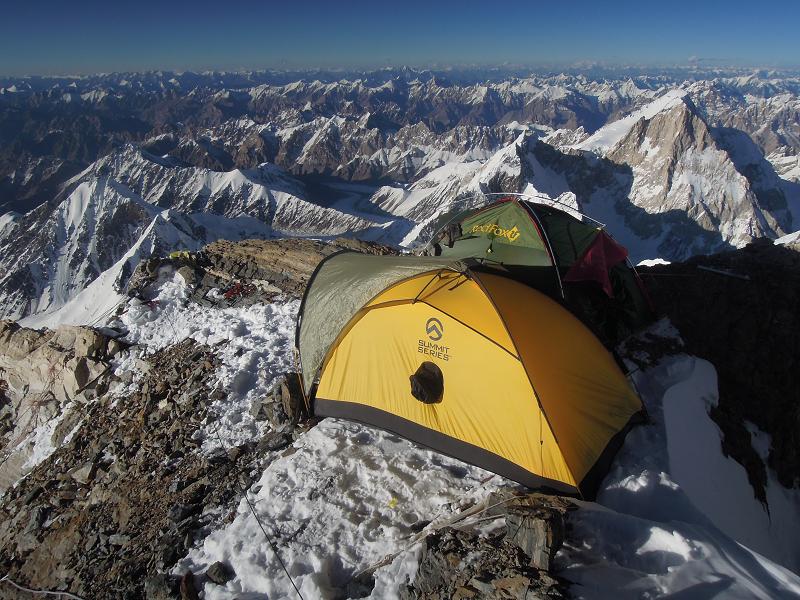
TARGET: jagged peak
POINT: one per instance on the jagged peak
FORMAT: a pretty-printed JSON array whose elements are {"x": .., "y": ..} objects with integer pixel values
[{"x": 608, "y": 136}]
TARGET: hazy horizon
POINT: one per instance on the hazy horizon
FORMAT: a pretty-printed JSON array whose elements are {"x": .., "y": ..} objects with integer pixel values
[
  {"x": 699, "y": 67},
  {"x": 51, "y": 38}
]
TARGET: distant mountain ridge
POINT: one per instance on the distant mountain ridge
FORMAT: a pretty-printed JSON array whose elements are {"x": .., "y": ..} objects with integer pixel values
[{"x": 673, "y": 168}]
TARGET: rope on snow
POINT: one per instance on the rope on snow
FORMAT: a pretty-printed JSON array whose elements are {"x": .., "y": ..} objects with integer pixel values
[
  {"x": 260, "y": 524},
  {"x": 6, "y": 579}
]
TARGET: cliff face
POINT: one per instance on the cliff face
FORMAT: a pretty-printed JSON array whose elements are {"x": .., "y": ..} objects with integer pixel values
[{"x": 745, "y": 322}]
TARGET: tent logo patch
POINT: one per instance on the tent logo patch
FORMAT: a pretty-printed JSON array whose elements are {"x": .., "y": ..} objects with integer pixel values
[
  {"x": 434, "y": 329},
  {"x": 494, "y": 229}
]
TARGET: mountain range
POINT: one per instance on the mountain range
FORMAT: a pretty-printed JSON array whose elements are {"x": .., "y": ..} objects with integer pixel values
[{"x": 100, "y": 169}]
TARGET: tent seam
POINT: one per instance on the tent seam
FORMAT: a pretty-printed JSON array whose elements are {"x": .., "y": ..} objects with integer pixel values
[
  {"x": 359, "y": 314},
  {"x": 525, "y": 369}
]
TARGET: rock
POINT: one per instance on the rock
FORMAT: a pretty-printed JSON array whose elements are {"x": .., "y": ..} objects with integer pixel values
[
  {"x": 360, "y": 587},
  {"x": 91, "y": 540},
  {"x": 28, "y": 539},
  {"x": 79, "y": 371},
  {"x": 716, "y": 313},
  {"x": 180, "y": 512},
  {"x": 291, "y": 395},
  {"x": 234, "y": 454},
  {"x": 86, "y": 342},
  {"x": 83, "y": 474},
  {"x": 32, "y": 495},
  {"x": 464, "y": 592},
  {"x": 89, "y": 394},
  {"x": 66, "y": 495},
  {"x": 38, "y": 517},
  {"x": 118, "y": 539},
  {"x": 188, "y": 590},
  {"x": 188, "y": 275},
  {"x": 114, "y": 347},
  {"x": 283, "y": 404},
  {"x": 160, "y": 587},
  {"x": 220, "y": 573},
  {"x": 514, "y": 587},
  {"x": 484, "y": 587},
  {"x": 463, "y": 564},
  {"x": 260, "y": 410},
  {"x": 537, "y": 536},
  {"x": 276, "y": 440}
]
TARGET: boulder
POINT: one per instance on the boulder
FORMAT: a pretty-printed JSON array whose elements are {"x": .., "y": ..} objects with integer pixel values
[
  {"x": 188, "y": 589},
  {"x": 160, "y": 587},
  {"x": 188, "y": 275},
  {"x": 84, "y": 341},
  {"x": 537, "y": 531},
  {"x": 84, "y": 473},
  {"x": 219, "y": 573}
]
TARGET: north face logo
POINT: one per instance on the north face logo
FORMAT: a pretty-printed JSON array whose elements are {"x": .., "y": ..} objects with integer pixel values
[{"x": 434, "y": 329}]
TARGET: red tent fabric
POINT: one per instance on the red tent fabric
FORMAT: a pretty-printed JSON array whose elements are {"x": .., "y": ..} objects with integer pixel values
[{"x": 599, "y": 257}]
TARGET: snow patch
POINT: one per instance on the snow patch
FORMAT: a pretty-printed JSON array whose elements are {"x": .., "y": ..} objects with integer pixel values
[
  {"x": 651, "y": 262},
  {"x": 791, "y": 238},
  {"x": 255, "y": 344},
  {"x": 657, "y": 527},
  {"x": 344, "y": 498}
]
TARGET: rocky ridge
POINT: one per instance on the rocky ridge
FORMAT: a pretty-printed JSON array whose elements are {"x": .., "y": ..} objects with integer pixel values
[{"x": 751, "y": 341}]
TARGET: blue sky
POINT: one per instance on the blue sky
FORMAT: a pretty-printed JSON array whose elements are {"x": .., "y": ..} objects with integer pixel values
[{"x": 90, "y": 36}]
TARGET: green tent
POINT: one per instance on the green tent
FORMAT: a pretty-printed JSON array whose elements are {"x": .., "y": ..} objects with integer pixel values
[{"x": 570, "y": 258}]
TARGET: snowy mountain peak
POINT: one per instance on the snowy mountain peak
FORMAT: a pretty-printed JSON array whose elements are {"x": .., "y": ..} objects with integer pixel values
[{"x": 609, "y": 135}]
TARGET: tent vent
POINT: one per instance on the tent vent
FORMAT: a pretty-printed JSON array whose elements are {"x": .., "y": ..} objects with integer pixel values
[{"x": 427, "y": 384}]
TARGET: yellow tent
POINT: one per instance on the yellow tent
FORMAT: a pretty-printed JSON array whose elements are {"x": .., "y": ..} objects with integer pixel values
[{"x": 469, "y": 363}]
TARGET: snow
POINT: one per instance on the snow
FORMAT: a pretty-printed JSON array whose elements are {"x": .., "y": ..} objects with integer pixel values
[
  {"x": 674, "y": 515},
  {"x": 344, "y": 495},
  {"x": 790, "y": 238},
  {"x": 717, "y": 485},
  {"x": 626, "y": 557},
  {"x": 72, "y": 291},
  {"x": 787, "y": 166},
  {"x": 40, "y": 441},
  {"x": 96, "y": 300},
  {"x": 607, "y": 136},
  {"x": 255, "y": 345},
  {"x": 651, "y": 262},
  {"x": 166, "y": 231},
  {"x": 341, "y": 499},
  {"x": 665, "y": 523},
  {"x": 545, "y": 181},
  {"x": 7, "y": 222}
]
